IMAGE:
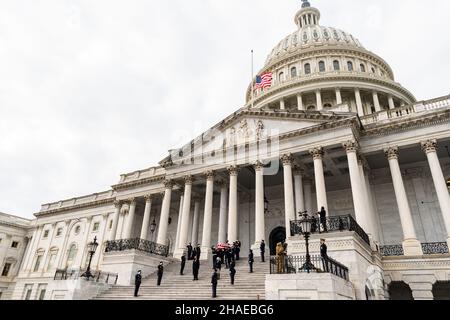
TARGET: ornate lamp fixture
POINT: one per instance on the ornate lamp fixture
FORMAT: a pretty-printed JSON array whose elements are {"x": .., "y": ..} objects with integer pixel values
[
  {"x": 92, "y": 247},
  {"x": 306, "y": 224},
  {"x": 153, "y": 226}
]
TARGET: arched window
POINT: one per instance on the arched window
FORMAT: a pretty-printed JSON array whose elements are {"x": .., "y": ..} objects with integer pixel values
[
  {"x": 373, "y": 70},
  {"x": 311, "y": 108},
  {"x": 350, "y": 66},
  {"x": 307, "y": 68},
  {"x": 71, "y": 255},
  {"x": 281, "y": 76},
  {"x": 336, "y": 65},
  {"x": 293, "y": 72},
  {"x": 362, "y": 67},
  {"x": 327, "y": 106},
  {"x": 321, "y": 66}
]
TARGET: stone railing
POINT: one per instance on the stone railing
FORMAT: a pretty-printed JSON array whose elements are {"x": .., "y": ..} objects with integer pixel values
[
  {"x": 137, "y": 244},
  {"x": 423, "y": 106}
]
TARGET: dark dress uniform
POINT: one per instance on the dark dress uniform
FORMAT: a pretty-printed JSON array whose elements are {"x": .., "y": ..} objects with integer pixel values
[
  {"x": 137, "y": 283},
  {"x": 324, "y": 255},
  {"x": 198, "y": 252},
  {"x": 160, "y": 273},
  {"x": 232, "y": 273},
  {"x": 195, "y": 269},
  {"x": 262, "y": 247},
  {"x": 250, "y": 261},
  {"x": 183, "y": 264},
  {"x": 189, "y": 252},
  {"x": 214, "y": 284},
  {"x": 237, "y": 250},
  {"x": 323, "y": 219}
]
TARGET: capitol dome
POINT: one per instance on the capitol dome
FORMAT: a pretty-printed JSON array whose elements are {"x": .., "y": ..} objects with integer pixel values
[{"x": 320, "y": 68}]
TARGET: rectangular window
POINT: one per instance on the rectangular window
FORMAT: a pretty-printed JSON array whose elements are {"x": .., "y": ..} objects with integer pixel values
[
  {"x": 111, "y": 223},
  {"x": 96, "y": 227},
  {"x": 14, "y": 244},
  {"x": 46, "y": 234},
  {"x": 6, "y": 269},
  {"x": 59, "y": 232},
  {"x": 42, "y": 294},
  {"x": 51, "y": 261},
  {"x": 37, "y": 264},
  {"x": 27, "y": 292}
]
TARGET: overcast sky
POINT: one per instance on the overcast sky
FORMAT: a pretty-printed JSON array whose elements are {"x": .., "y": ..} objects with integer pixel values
[{"x": 92, "y": 89}]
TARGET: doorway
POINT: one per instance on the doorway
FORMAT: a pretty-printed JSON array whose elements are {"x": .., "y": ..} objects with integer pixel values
[{"x": 277, "y": 235}]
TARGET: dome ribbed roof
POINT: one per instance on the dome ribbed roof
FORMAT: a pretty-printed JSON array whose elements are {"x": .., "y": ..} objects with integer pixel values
[{"x": 312, "y": 36}]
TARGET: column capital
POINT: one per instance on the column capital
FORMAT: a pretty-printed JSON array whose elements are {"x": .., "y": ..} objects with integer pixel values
[
  {"x": 148, "y": 197},
  {"x": 188, "y": 180},
  {"x": 258, "y": 165},
  {"x": 317, "y": 153},
  {"x": 168, "y": 184},
  {"x": 222, "y": 183},
  {"x": 392, "y": 153},
  {"x": 351, "y": 146},
  {"x": 117, "y": 204},
  {"x": 233, "y": 170},
  {"x": 429, "y": 146},
  {"x": 209, "y": 175},
  {"x": 287, "y": 159},
  {"x": 132, "y": 201},
  {"x": 89, "y": 219},
  {"x": 105, "y": 215}
]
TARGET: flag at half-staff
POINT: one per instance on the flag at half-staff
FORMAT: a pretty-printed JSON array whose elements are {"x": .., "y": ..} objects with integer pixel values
[{"x": 264, "y": 80}]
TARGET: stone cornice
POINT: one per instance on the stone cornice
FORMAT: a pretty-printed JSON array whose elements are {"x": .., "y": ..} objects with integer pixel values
[
  {"x": 427, "y": 263},
  {"x": 403, "y": 124},
  {"x": 138, "y": 183},
  {"x": 86, "y": 205}
]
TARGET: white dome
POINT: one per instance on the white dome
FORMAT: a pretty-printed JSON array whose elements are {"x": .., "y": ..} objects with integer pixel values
[{"x": 312, "y": 36}]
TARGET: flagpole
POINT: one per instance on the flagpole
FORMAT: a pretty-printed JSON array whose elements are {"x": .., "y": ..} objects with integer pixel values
[{"x": 252, "y": 88}]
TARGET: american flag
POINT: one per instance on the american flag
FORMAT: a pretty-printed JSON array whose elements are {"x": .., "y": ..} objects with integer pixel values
[{"x": 264, "y": 81}]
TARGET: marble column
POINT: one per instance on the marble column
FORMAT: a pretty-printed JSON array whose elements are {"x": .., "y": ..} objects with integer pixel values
[
  {"x": 165, "y": 213},
  {"x": 282, "y": 104},
  {"x": 359, "y": 200},
  {"x": 62, "y": 252},
  {"x": 222, "y": 236},
  {"x": 289, "y": 205},
  {"x": 338, "y": 96},
  {"x": 185, "y": 217},
  {"x": 180, "y": 214},
  {"x": 440, "y": 185},
  {"x": 101, "y": 241},
  {"x": 300, "y": 105},
  {"x": 233, "y": 205},
  {"x": 35, "y": 247},
  {"x": 130, "y": 219},
  {"x": 29, "y": 251},
  {"x": 376, "y": 101},
  {"x": 298, "y": 189},
  {"x": 307, "y": 188},
  {"x": 195, "y": 221},
  {"x": 260, "y": 226},
  {"x": 359, "y": 105},
  {"x": 319, "y": 100},
  {"x": 146, "y": 221},
  {"x": 321, "y": 191},
  {"x": 207, "y": 216},
  {"x": 391, "y": 102},
  {"x": 48, "y": 248},
  {"x": 113, "y": 232},
  {"x": 87, "y": 230},
  {"x": 411, "y": 245}
]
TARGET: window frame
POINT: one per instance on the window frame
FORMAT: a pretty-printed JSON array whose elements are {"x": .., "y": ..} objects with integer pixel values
[
  {"x": 350, "y": 66},
  {"x": 336, "y": 63},
  {"x": 9, "y": 265},
  {"x": 98, "y": 227},
  {"x": 322, "y": 66},
  {"x": 307, "y": 68},
  {"x": 15, "y": 242}
]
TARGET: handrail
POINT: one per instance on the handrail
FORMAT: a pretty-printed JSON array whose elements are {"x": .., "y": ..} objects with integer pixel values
[
  {"x": 97, "y": 276},
  {"x": 137, "y": 244}
]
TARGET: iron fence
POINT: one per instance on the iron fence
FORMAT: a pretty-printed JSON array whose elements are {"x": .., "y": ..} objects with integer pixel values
[
  {"x": 296, "y": 264},
  {"x": 137, "y": 244},
  {"x": 427, "y": 248},
  {"x": 332, "y": 224},
  {"x": 97, "y": 276}
]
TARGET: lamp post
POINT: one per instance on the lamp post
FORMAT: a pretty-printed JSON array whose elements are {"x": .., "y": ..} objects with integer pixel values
[
  {"x": 92, "y": 247},
  {"x": 306, "y": 223}
]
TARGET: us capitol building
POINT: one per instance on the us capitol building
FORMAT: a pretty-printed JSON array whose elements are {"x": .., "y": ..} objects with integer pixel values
[{"x": 333, "y": 129}]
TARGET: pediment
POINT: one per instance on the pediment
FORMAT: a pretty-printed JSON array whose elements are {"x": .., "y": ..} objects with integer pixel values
[{"x": 248, "y": 126}]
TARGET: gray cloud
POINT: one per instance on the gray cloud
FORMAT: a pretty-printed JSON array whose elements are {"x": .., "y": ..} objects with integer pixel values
[{"x": 93, "y": 89}]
